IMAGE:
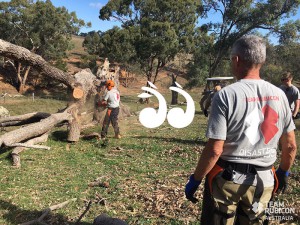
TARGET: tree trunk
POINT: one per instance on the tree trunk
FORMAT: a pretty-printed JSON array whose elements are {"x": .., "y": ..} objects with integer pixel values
[
  {"x": 23, "y": 80},
  {"x": 21, "y": 54},
  {"x": 174, "y": 100}
]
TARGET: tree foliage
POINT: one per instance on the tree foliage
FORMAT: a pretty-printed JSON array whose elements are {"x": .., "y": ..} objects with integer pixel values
[
  {"x": 238, "y": 18},
  {"x": 153, "y": 31},
  {"x": 39, "y": 27}
]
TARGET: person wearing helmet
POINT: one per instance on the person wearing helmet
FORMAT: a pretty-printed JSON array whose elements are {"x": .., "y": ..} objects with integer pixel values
[{"x": 112, "y": 102}]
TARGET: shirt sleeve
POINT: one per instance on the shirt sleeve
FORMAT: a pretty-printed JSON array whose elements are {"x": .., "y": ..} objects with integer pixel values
[
  {"x": 217, "y": 123},
  {"x": 106, "y": 96},
  {"x": 298, "y": 94},
  {"x": 289, "y": 124}
]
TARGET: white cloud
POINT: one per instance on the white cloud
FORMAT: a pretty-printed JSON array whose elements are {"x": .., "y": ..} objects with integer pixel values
[{"x": 97, "y": 5}]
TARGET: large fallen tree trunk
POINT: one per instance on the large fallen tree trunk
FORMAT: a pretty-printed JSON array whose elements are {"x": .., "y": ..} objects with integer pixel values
[
  {"x": 24, "y": 55},
  {"x": 83, "y": 85}
]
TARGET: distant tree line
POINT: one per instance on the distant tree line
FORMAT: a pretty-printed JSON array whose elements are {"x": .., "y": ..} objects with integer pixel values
[{"x": 154, "y": 32}]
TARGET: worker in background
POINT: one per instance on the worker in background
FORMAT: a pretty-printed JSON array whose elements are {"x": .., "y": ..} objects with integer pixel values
[
  {"x": 112, "y": 102},
  {"x": 209, "y": 99},
  {"x": 291, "y": 92}
]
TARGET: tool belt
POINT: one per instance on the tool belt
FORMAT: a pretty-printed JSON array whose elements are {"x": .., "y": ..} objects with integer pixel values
[{"x": 228, "y": 167}]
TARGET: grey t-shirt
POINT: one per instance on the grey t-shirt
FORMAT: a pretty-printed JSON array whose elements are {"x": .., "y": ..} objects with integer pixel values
[
  {"x": 113, "y": 98},
  {"x": 292, "y": 94},
  {"x": 250, "y": 116}
]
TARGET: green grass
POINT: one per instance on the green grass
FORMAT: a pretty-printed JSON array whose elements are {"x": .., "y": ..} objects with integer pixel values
[{"x": 146, "y": 176}]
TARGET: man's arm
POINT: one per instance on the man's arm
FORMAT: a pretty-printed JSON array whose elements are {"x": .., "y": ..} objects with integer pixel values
[
  {"x": 209, "y": 157},
  {"x": 289, "y": 149},
  {"x": 296, "y": 108}
]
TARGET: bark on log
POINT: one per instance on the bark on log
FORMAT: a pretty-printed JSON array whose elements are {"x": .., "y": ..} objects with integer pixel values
[
  {"x": 23, "y": 119},
  {"x": 74, "y": 127},
  {"x": 24, "y": 55},
  {"x": 33, "y": 130}
]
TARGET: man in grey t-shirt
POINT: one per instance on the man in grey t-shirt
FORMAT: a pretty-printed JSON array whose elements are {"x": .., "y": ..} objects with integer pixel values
[
  {"x": 291, "y": 92},
  {"x": 248, "y": 118}
]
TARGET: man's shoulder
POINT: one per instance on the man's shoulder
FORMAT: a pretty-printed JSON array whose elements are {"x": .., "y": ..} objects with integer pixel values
[{"x": 294, "y": 88}]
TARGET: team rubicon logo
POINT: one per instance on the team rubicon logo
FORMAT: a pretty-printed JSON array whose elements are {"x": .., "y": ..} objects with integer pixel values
[{"x": 265, "y": 121}]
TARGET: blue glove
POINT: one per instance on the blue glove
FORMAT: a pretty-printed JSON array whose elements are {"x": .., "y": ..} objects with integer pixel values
[
  {"x": 190, "y": 189},
  {"x": 282, "y": 177}
]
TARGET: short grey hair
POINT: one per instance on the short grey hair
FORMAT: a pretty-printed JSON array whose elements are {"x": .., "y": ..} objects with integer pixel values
[{"x": 250, "y": 48}]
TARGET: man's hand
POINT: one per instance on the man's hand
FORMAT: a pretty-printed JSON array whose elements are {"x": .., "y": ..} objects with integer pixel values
[
  {"x": 191, "y": 187},
  {"x": 282, "y": 177},
  {"x": 205, "y": 112}
]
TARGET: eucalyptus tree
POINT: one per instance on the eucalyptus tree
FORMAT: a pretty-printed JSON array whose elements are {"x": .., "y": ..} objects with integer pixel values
[
  {"x": 233, "y": 19},
  {"x": 40, "y": 27},
  {"x": 156, "y": 30}
]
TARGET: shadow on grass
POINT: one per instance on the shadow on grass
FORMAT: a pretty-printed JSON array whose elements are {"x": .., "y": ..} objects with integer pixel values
[
  {"x": 4, "y": 150},
  {"x": 15, "y": 215},
  {"x": 175, "y": 140},
  {"x": 60, "y": 135}
]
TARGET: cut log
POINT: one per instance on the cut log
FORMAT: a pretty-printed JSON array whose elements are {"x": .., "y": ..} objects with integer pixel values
[{"x": 33, "y": 130}]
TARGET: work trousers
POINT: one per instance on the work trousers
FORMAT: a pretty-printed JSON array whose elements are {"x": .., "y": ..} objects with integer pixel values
[
  {"x": 111, "y": 117},
  {"x": 231, "y": 203}
]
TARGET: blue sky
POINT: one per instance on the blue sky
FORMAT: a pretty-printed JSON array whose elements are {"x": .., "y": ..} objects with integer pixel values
[{"x": 88, "y": 11}]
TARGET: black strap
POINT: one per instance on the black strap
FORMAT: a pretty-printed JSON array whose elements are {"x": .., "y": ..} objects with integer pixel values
[
  {"x": 242, "y": 167},
  {"x": 247, "y": 168}
]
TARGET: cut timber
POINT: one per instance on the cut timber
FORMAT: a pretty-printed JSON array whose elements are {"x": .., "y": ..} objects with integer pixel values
[{"x": 78, "y": 93}]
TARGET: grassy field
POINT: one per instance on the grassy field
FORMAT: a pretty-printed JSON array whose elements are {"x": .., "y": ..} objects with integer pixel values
[{"x": 141, "y": 176}]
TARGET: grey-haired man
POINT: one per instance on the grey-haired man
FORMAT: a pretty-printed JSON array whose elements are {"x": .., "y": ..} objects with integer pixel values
[{"x": 248, "y": 119}]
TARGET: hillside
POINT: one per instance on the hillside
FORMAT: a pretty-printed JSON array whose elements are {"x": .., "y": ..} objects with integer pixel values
[{"x": 73, "y": 60}]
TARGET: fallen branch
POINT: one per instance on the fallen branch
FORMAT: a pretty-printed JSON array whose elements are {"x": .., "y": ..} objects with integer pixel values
[
  {"x": 16, "y": 151},
  {"x": 85, "y": 211},
  {"x": 29, "y": 146},
  {"x": 47, "y": 211}
]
